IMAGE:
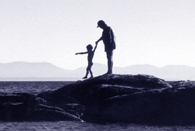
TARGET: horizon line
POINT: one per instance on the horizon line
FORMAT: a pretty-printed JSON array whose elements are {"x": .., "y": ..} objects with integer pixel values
[{"x": 97, "y": 63}]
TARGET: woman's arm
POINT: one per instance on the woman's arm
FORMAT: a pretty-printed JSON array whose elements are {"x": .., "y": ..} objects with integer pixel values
[{"x": 98, "y": 40}]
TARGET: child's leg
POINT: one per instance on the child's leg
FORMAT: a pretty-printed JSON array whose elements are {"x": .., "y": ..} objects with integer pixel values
[
  {"x": 91, "y": 73},
  {"x": 87, "y": 72}
]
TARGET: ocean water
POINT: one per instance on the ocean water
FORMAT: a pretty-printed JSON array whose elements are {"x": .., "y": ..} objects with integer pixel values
[
  {"x": 33, "y": 87},
  {"x": 38, "y": 87},
  {"x": 83, "y": 126}
]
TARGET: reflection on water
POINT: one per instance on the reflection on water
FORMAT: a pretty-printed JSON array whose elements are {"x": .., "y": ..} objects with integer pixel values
[{"x": 83, "y": 126}]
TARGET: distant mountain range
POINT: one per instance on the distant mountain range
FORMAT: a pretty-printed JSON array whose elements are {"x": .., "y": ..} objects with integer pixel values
[{"x": 24, "y": 71}]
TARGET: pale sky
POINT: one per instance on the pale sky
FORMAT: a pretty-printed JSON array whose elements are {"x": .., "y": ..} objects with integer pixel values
[{"x": 156, "y": 32}]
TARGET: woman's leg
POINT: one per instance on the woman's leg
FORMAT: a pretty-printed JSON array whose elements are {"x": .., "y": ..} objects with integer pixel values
[{"x": 110, "y": 62}]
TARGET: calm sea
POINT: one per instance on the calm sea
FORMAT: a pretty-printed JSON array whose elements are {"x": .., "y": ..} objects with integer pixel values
[{"x": 37, "y": 87}]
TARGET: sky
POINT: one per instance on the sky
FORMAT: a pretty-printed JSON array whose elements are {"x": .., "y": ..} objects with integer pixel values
[{"x": 155, "y": 32}]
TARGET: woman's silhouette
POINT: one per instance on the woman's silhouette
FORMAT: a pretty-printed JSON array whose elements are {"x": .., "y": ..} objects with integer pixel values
[{"x": 109, "y": 43}]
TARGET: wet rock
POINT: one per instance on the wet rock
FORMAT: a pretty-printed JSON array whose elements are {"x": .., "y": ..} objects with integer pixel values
[
  {"x": 117, "y": 98},
  {"x": 140, "y": 99},
  {"x": 27, "y": 107}
]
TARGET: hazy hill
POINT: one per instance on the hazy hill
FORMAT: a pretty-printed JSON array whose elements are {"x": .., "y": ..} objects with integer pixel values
[
  {"x": 47, "y": 71},
  {"x": 180, "y": 72},
  {"x": 25, "y": 69},
  {"x": 169, "y": 72}
]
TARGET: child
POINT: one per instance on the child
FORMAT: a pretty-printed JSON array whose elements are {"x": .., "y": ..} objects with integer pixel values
[{"x": 90, "y": 53}]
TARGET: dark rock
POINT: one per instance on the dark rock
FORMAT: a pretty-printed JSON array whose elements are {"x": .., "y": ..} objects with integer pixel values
[
  {"x": 49, "y": 113},
  {"x": 102, "y": 87},
  {"x": 120, "y": 98},
  {"x": 27, "y": 107},
  {"x": 140, "y": 99}
]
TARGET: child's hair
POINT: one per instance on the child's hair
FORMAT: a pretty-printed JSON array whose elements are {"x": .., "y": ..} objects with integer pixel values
[{"x": 89, "y": 47}]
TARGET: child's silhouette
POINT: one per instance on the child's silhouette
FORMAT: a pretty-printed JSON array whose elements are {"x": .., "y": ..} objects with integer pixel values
[{"x": 90, "y": 53}]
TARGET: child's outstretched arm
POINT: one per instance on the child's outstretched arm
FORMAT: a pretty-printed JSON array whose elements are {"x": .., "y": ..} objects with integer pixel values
[{"x": 81, "y": 53}]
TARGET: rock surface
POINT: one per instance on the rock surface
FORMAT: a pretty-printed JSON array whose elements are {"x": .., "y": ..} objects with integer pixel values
[
  {"x": 27, "y": 107},
  {"x": 140, "y": 99}
]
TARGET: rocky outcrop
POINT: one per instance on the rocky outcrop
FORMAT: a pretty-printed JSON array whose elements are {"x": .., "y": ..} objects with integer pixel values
[
  {"x": 140, "y": 99},
  {"x": 130, "y": 99},
  {"x": 27, "y": 107}
]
